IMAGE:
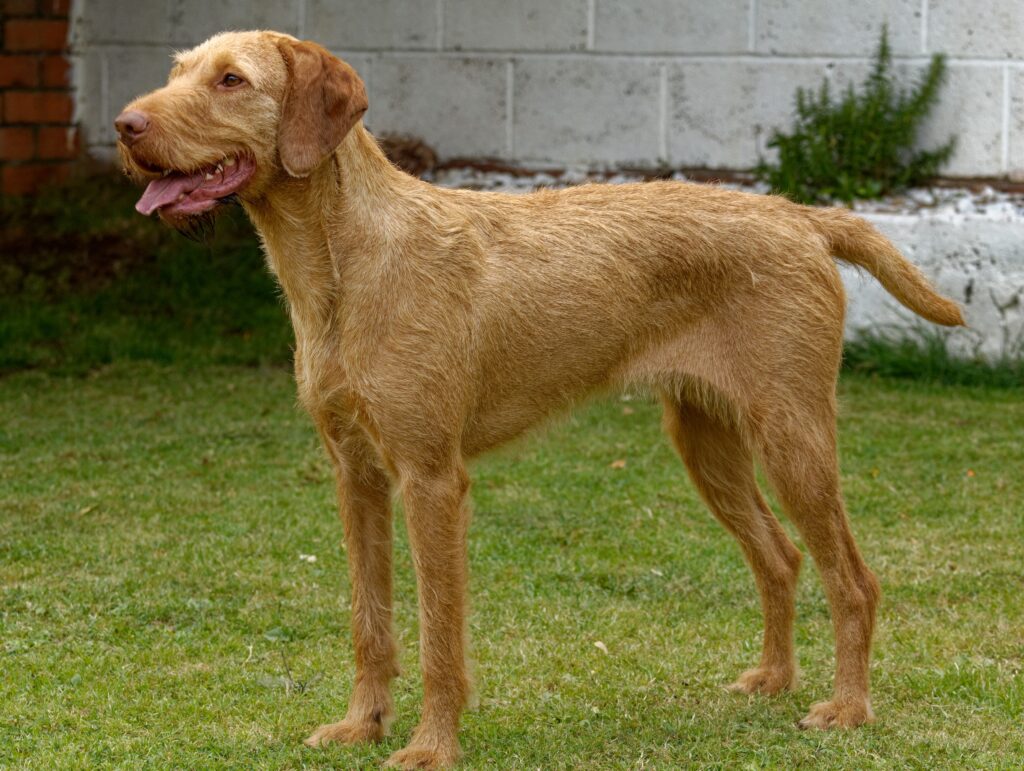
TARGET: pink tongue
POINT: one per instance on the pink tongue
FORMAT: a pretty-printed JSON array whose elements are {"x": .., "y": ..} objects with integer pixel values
[{"x": 164, "y": 191}]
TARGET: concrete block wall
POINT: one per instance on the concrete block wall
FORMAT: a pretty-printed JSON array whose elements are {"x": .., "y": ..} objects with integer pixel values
[{"x": 684, "y": 83}]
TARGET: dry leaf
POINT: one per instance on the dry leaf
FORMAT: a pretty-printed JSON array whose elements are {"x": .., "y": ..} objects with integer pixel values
[
  {"x": 601, "y": 646},
  {"x": 620, "y": 463},
  {"x": 628, "y": 410}
]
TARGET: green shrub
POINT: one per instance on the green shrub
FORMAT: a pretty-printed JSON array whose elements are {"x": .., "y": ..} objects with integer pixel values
[{"x": 861, "y": 145}]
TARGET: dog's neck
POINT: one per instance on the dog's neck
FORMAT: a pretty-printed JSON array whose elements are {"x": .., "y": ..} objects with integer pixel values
[{"x": 314, "y": 228}]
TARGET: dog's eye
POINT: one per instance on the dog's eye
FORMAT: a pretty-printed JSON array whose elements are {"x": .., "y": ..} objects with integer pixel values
[{"x": 231, "y": 80}]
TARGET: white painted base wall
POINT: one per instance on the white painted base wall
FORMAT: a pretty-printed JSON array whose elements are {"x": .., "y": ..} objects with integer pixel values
[{"x": 974, "y": 259}]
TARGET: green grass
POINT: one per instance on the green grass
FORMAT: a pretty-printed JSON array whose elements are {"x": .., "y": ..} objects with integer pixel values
[{"x": 152, "y": 518}]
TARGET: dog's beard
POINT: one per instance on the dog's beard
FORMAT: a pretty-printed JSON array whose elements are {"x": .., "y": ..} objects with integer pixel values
[{"x": 201, "y": 228}]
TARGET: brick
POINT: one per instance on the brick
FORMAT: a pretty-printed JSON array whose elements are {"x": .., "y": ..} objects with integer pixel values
[
  {"x": 358, "y": 25},
  {"x": 672, "y": 26},
  {"x": 525, "y": 25},
  {"x": 57, "y": 142},
  {"x": 970, "y": 106},
  {"x": 19, "y": 71},
  {"x": 588, "y": 111},
  {"x": 990, "y": 30},
  {"x": 55, "y": 7},
  {"x": 16, "y": 143},
  {"x": 455, "y": 105},
  {"x": 792, "y": 27},
  {"x": 35, "y": 35},
  {"x": 55, "y": 72},
  {"x": 720, "y": 114},
  {"x": 29, "y": 177},
  {"x": 14, "y": 8},
  {"x": 37, "y": 107},
  {"x": 193, "y": 21}
]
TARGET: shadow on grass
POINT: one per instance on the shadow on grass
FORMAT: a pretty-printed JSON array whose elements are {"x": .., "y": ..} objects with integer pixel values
[{"x": 85, "y": 281}]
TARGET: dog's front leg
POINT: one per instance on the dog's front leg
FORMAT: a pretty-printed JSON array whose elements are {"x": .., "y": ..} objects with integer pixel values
[
  {"x": 364, "y": 496},
  {"x": 438, "y": 519}
]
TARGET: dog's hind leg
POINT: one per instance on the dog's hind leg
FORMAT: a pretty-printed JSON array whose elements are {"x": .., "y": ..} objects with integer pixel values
[
  {"x": 364, "y": 496},
  {"x": 720, "y": 462},
  {"x": 797, "y": 446}
]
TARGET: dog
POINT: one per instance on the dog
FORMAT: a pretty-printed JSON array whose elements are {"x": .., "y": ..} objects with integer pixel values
[{"x": 432, "y": 325}]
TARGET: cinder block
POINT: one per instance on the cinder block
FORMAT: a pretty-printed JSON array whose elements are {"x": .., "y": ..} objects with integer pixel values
[
  {"x": 132, "y": 72},
  {"x": 456, "y": 105},
  {"x": 990, "y": 30},
  {"x": 524, "y": 25},
  {"x": 122, "y": 21},
  {"x": 837, "y": 28},
  {"x": 193, "y": 21},
  {"x": 970, "y": 107},
  {"x": 587, "y": 111},
  {"x": 672, "y": 26},
  {"x": 1016, "y": 139},
  {"x": 88, "y": 91},
  {"x": 721, "y": 113},
  {"x": 372, "y": 24}
]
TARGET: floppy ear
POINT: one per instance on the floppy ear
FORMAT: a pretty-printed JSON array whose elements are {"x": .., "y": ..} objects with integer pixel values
[{"x": 322, "y": 101}]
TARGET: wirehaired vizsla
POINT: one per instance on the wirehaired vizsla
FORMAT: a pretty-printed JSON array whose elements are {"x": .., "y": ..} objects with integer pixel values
[{"x": 432, "y": 325}]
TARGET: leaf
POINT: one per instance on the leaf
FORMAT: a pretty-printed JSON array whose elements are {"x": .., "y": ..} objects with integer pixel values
[
  {"x": 601, "y": 646},
  {"x": 277, "y": 634},
  {"x": 620, "y": 463}
]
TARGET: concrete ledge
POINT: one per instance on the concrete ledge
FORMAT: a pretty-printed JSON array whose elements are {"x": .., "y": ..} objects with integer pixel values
[{"x": 975, "y": 259}]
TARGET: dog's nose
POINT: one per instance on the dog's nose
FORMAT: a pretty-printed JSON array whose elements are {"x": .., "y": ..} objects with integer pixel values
[{"x": 130, "y": 125}]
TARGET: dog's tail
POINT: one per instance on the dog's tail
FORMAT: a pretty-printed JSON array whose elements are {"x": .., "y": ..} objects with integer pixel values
[{"x": 853, "y": 240}]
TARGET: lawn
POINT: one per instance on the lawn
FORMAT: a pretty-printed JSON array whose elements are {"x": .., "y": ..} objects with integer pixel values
[
  {"x": 157, "y": 611},
  {"x": 173, "y": 591}
]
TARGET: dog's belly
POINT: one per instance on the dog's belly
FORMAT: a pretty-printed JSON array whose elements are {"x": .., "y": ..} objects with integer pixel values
[{"x": 545, "y": 368}]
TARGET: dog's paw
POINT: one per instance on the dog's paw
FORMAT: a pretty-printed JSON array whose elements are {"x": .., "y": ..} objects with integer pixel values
[
  {"x": 348, "y": 732},
  {"x": 838, "y": 714},
  {"x": 424, "y": 756},
  {"x": 765, "y": 680}
]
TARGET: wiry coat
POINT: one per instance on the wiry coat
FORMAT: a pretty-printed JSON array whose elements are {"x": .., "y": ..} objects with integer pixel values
[{"x": 432, "y": 325}]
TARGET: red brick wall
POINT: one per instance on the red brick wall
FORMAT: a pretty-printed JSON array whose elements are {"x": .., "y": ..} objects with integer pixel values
[{"x": 38, "y": 142}]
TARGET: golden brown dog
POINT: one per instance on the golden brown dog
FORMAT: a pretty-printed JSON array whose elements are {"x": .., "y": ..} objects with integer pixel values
[{"x": 432, "y": 325}]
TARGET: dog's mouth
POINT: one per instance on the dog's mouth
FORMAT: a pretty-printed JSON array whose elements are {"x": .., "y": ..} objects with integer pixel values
[{"x": 177, "y": 194}]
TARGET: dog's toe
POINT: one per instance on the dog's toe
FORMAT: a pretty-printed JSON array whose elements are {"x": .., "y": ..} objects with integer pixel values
[
  {"x": 765, "y": 680},
  {"x": 837, "y": 714},
  {"x": 413, "y": 757},
  {"x": 346, "y": 732}
]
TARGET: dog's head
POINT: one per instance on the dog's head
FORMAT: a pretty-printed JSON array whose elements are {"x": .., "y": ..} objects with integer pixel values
[{"x": 237, "y": 113}]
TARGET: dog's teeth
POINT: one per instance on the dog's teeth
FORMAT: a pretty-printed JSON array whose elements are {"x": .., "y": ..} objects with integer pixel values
[
  {"x": 229, "y": 161},
  {"x": 209, "y": 176},
  {"x": 166, "y": 172},
  {"x": 181, "y": 196},
  {"x": 219, "y": 167}
]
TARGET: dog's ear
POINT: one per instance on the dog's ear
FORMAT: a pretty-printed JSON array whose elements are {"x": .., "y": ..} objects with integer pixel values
[{"x": 322, "y": 101}]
